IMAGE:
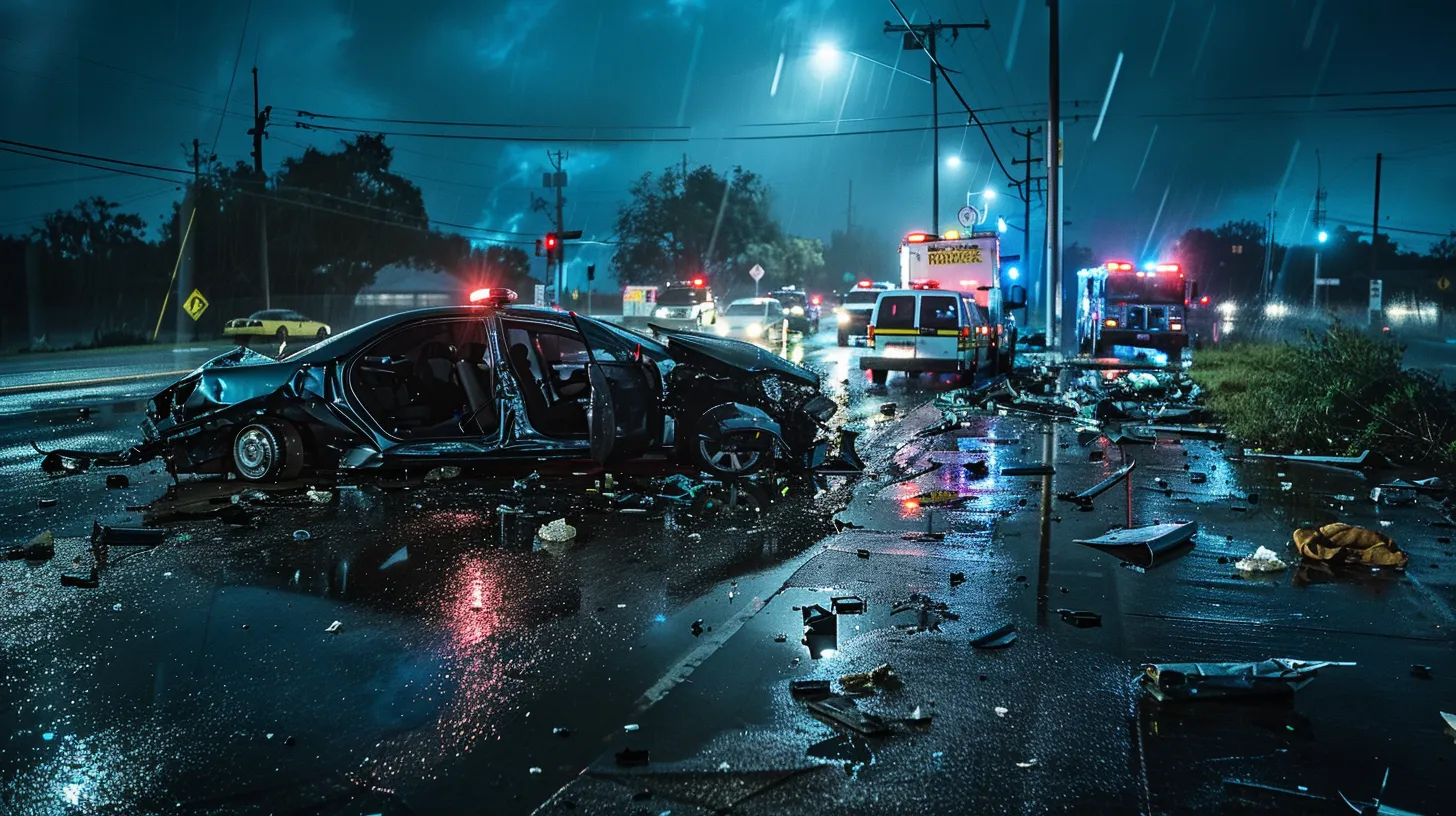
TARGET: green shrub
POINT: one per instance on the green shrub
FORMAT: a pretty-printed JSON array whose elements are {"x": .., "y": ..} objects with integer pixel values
[{"x": 1337, "y": 393}]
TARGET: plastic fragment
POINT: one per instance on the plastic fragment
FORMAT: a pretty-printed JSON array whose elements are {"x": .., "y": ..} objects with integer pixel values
[
  {"x": 335, "y": 628},
  {"x": 1263, "y": 560}
]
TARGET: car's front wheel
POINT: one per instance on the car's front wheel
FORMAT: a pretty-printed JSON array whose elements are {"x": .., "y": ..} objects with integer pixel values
[
  {"x": 730, "y": 455},
  {"x": 267, "y": 452}
]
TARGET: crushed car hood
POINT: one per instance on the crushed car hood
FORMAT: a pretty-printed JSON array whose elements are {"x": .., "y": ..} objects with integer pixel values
[{"x": 710, "y": 352}]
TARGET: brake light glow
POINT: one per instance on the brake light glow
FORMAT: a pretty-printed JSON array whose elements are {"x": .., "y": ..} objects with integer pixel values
[
  {"x": 1175, "y": 326},
  {"x": 1203, "y": 300},
  {"x": 816, "y": 300},
  {"x": 1166, "y": 267},
  {"x": 697, "y": 282},
  {"x": 870, "y": 333},
  {"x": 1119, "y": 266},
  {"x": 919, "y": 237},
  {"x": 965, "y": 331}
]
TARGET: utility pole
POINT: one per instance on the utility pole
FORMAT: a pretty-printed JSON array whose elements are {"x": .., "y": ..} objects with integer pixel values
[
  {"x": 558, "y": 180},
  {"x": 1054, "y": 174},
  {"x": 1025, "y": 186},
  {"x": 1266, "y": 283},
  {"x": 1375, "y": 224},
  {"x": 1319, "y": 225},
  {"x": 928, "y": 34},
  {"x": 259, "y": 130},
  {"x": 849, "y": 210},
  {"x": 187, "y": 261}
]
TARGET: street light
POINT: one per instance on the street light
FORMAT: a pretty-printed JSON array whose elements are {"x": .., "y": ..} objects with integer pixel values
[
  {"x": 1000, "y": 224},
  {"x": 953, "y": 162},
  {"x": 1013, "y": 273},
  {"x": 989, "y": 194},
  {"x": 826, "y": 58},
  {"x": 1323, "y": 236}
]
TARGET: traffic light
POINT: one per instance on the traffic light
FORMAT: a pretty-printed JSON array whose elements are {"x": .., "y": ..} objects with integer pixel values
[
  {"x": 591, "y": 272},
  {"x": 538, "y": 247},
  {"x": 552, "y": 245}
]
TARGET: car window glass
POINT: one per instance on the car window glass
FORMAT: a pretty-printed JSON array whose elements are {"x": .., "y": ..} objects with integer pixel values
[
  {"x": 409, "y": 380},
  {"x": 896, "y": 312},
  {"x": 939, "y": 312},
  {"x": 681, "y": 296},
  {"x": 774, "y": 308},
  {"x": 862, "y": 297}
]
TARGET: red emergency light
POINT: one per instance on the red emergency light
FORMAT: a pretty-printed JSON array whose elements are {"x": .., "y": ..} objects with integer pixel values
[
  {"x": 493, "y": 297},
  {"x": 925, "y": 284},
  {"x": 864, "y": 284},
  {"x": 1119, "y": 266},
  {"x": 816, "y": 300},
  {"x": 1203, "y": 301},
  {"x": 919, "y": 237},
  {"x": 698, "y": 282}
]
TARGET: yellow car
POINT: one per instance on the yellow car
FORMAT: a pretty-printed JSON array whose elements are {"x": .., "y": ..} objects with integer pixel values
[{"x": 277, "y": 324}]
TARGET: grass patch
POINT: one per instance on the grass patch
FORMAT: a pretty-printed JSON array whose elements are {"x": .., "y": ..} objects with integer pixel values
[{"x": 1336, "y": 393}]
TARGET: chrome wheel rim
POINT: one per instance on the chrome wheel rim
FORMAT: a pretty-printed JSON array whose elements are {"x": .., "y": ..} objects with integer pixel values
[
  {"x": 254, "y": 453},
  {"x": 726, "y": 461}
]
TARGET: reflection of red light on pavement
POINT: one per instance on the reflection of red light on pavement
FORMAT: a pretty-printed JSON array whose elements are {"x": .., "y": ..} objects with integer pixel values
[
  {"x": 478, "y": 604},
  {"x": 912, "y": 504}
]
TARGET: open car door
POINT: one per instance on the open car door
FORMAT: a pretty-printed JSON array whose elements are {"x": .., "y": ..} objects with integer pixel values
[{"x": 625, "y": 412}]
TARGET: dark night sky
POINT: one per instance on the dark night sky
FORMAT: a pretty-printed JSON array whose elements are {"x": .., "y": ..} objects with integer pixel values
[{"x": 134, "y": 80}]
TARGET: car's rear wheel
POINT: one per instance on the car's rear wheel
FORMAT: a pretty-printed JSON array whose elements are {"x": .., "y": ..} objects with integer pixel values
[
  {"x": 729, "y": 456},
  {"x": 267, "y": 452}
]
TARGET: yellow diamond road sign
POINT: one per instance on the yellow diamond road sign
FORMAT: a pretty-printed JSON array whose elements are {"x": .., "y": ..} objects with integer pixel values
[{"x": 195, "y": 305}]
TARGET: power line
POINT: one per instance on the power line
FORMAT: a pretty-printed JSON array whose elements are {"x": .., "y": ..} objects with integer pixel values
[
  {"x": 505, "y": 125},
  {"x": 116, "y": 170},
  {"x": 92, "y": 157},
  {"x": 1366, "y": 223},
  {"x": 237, "y": 60},
  {"x": 483, "y": 137}
]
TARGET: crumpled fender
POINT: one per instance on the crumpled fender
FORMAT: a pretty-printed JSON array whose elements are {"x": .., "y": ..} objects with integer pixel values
[{"x": 735, "y": 417}]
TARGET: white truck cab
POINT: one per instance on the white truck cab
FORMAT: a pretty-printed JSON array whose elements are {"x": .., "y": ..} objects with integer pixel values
[
  {"x": 686, "y": 304},
  {"x": 925, "y": 328}
]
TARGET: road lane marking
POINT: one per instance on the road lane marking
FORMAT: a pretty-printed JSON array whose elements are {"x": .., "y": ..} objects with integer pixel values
[{"x": 64, "y": 385}]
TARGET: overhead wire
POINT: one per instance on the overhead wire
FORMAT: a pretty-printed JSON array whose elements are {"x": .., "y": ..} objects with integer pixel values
[{"x": 237, "y": 60}]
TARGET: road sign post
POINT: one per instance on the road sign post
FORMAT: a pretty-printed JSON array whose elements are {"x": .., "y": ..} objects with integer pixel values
[
  {"x": 1377, "y": 300},
  {"x": 757, "y": 274},
  {"x": 195, "y": 305}
]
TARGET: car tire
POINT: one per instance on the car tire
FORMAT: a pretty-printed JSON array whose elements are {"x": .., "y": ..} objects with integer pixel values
[
  {"x": 281, "y": 335},
  {"x": 879, "y": 376},
  {"x": 712, "y": 458},
  {"x": 267, "y": 451},
  {"x": 323, "y": 334},
  {"x": 843, "y": 338}
]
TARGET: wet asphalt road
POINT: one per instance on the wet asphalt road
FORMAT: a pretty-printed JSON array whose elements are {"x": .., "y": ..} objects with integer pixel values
[{"x": 198, "y": 677}]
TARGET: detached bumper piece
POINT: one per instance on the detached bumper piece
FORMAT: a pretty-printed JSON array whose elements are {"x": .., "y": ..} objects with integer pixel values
[
  {"x": 1275, "y": 677},
  {"x": 62, "y": 460}
]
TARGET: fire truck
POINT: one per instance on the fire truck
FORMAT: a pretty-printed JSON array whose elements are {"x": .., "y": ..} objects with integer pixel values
[
  {"x": 1119, "y": 304},
  {"x": 969, "y": 264}
]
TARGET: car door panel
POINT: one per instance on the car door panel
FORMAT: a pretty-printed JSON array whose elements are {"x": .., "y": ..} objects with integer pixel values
[{"x": 625, "y": 405}]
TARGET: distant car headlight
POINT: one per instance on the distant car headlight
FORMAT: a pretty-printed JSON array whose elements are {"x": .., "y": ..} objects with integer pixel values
[
  {"x": 663, "y": 312},
  {"x": 772, "y": 388},
  {"x": 754, "y": 330},
  {"x": 843, "y": 318},
  {"x": 796, "y": 311},
  {"x": 1175, "y": 326}
]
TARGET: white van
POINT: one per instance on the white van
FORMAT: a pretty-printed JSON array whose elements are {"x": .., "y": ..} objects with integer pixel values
[{"x": 926, "y": 329}]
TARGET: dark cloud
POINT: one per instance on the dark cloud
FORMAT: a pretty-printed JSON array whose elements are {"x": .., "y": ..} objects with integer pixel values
[{"x": 135, "y": 80}]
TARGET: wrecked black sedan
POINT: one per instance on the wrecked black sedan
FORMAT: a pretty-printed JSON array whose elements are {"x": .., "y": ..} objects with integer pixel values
[{"x": 471, "y": 385}]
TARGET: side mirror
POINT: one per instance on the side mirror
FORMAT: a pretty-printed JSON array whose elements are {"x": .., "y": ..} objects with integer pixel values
[{"x": 1016, "y": 298}]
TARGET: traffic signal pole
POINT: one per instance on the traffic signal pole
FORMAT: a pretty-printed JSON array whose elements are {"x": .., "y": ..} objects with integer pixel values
[{"x": 558, "y": 160}]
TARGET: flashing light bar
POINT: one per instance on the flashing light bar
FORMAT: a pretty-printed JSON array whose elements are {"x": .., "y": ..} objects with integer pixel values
[
  {"x": 950, "y": 235},
  {"x": 698, "y": 282},
  {"x": 816, "y": 300},
  {"x": 1166, "y": 267},
  {"x": 925, "y": 284},
  {"x": 1119, "y": 266},
  {"x": 864, "y": 284},
  {"x": 493, "y": 297},
  {"x": 919, "y": 238}
]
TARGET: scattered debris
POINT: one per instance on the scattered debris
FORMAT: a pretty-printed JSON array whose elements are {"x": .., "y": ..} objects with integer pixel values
[
  {"x": 302, "y": 535},
  {"x": 1194, "y": 681},
  {"x": 1001, "y": 711},
  {"x": 1338, "y": 461},
  {"x": 320, "y": 496},
  {"x": 40, "y": 548},
  {"x": 561, "y": 732},
  {"x": 557, "y": 531},
  {"x": 1421, "y": 672},
  {"x": 335, "y": 628},
  {"x": 43, "y": 503},
  {"x": 847, "y": 605},
  {"x": 1144, "y": 544},
  {"x": 1080, "y": 619},
  {"x": 998, "y": 638},
  {"x": 56, "y": 464},
  {"x": 117, "y": 481},
  {"x": 920, "y": 613},
  {"x": 1197, "y": 477},
  {"x": 809, "y": 688},
  {"x": 841, "y": 526},
  {"x": 697, "y": 627},
  {"x": 1450, "y": 720},
  {"x": 918, "y": 717},
  {"x": 440, "y": 474},
  {"x": 862, "y": 553},
  {"x": 126, "y": 536},
  {"x": 1396, "y": 494},
  {"x": 629, "y": 728},
  {"x": 888, "y": 409},
  {"x": 1101, "y": 487},
  {"x": 881, "y": 676},
  {"x": 1263, "y": 560},
  {"x": 843, "y": 711},
  {"x": 1344, "y": 543},
  {"x": 1029, "y": 470},
  {"x": 842, "y": 748},
  {"x": 957, "y": 578},
  {"x": 89, "y": 581}
]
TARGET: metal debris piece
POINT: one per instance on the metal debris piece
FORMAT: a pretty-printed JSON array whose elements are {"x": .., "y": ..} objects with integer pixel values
[
  {"x": 957, "y": 578},
  {"x": 1197, "y": 477},
  {"x": 888, "y": 409},
  {"x": 998, "y": 638},
  {"x": 862, "y": 553},
  {"x": 126, "y": 536},
  {"x": 881, "y": 676},
  {"x": 1338, "y": 461},
  {"x": 843, "y": 711},
  {"x": 847, "y": 605},
  {"x": 440, "y": 474},
  {"x": 117, "y": 481},
  {"x": 1396, "y": 494},
  {"x": 556, "y": 532},
  {"x": 320, "y": 496},
  {"x": 302, "y": 535},
  {"x": 335, "y": 628},
  {"x": 819, "y": 621},
  {"x": 920, "y": 613},
  {"x": 697, "y": 627},
  {"x": 977, "y": 469},
  {"x": 89, "y": 581},
  {"x": 1197, "y": 681},
  {"x": 1098, "y": 489},
  {"x": 809, "y": 688},
  {"x": 841, "y": 748},
  {"x": 43, "y": 503},
  {"x": 1080, "y": 618},
  {"x": 1147, "y": 543}
]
